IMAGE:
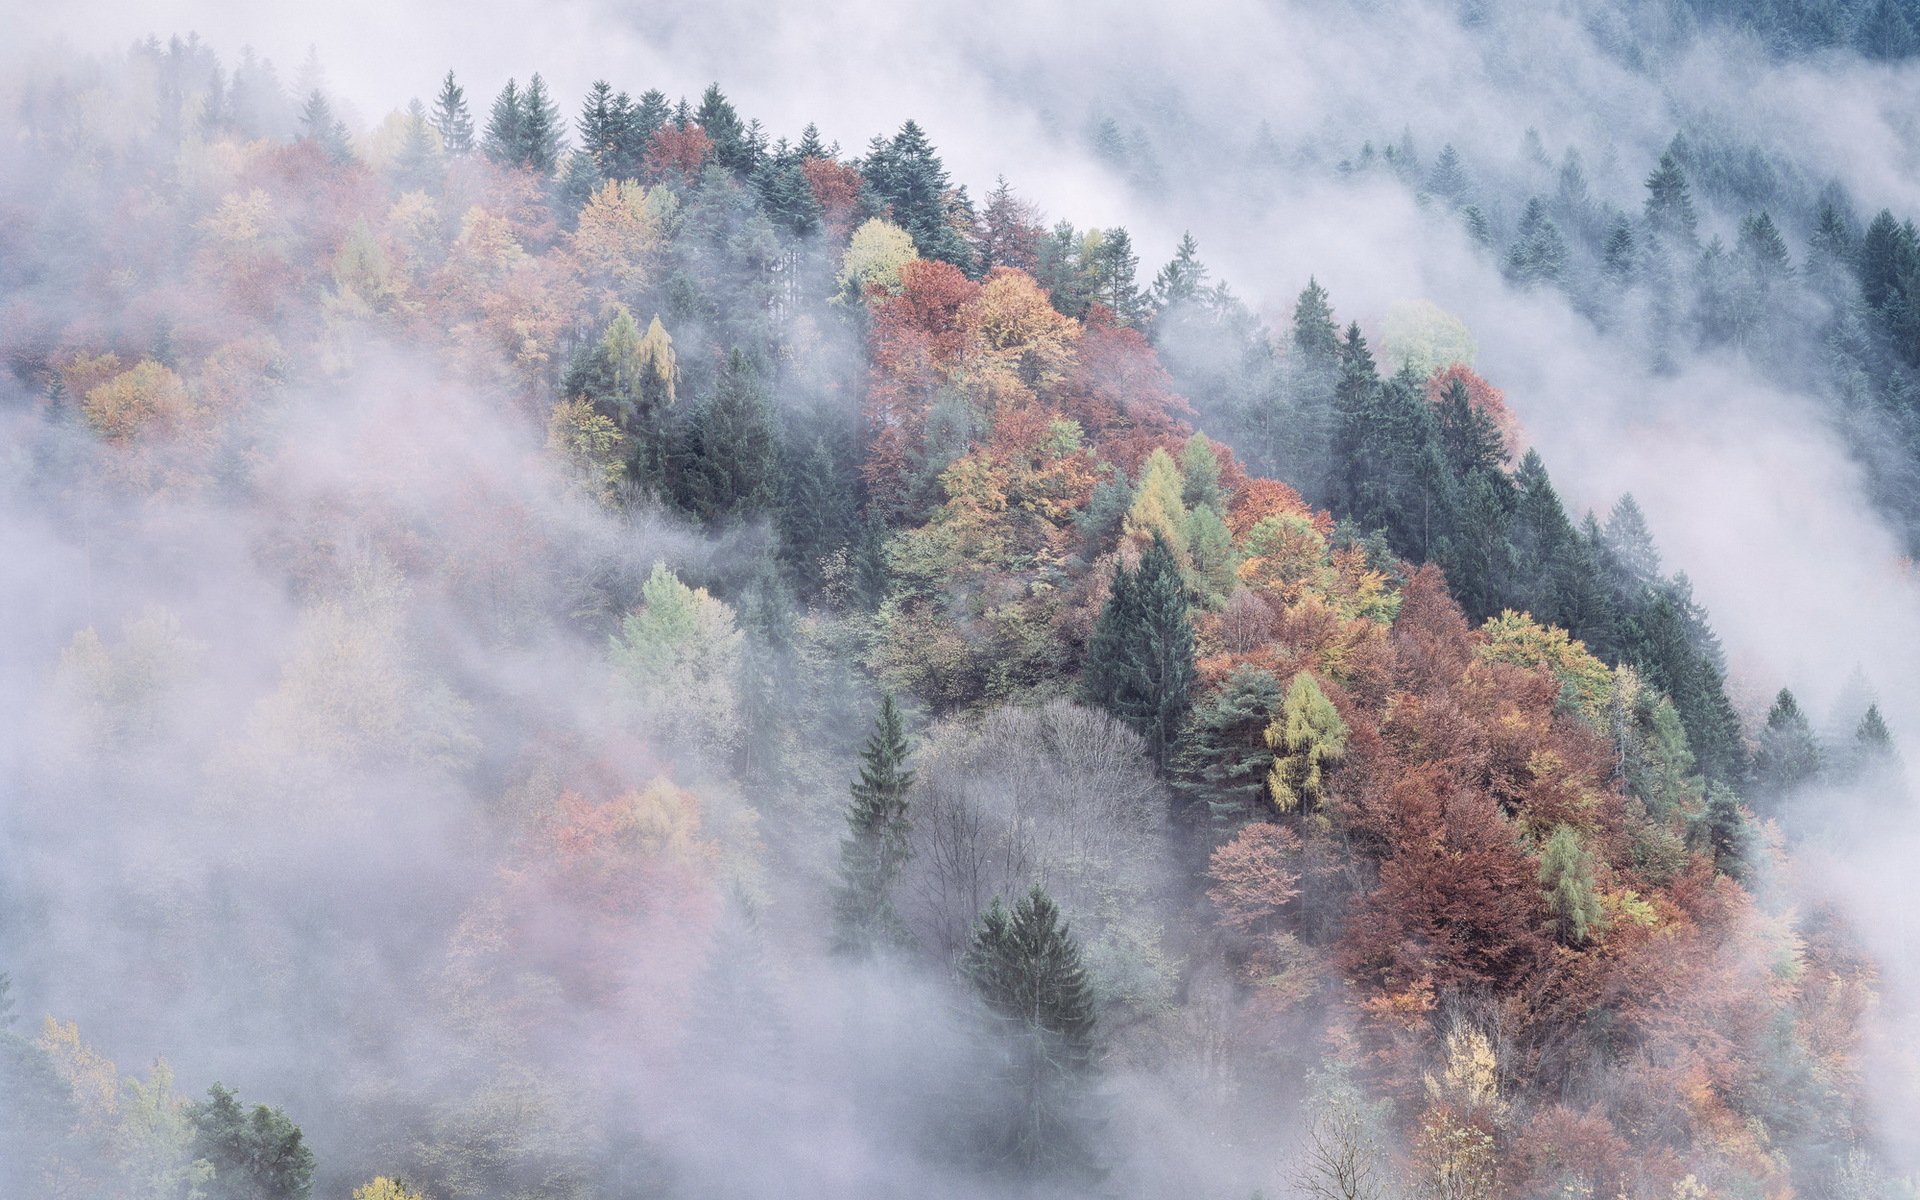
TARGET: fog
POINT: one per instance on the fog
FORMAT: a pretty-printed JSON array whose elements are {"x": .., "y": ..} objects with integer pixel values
[{"x": 308, "y": 761}]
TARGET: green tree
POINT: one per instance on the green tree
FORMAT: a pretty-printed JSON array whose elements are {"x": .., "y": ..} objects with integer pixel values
[
  {"x": 876, "y": 845},
  {"x": 1788, "y": 755},
  {"x": 718, "y": 120},
  {"x": 1140, "y": 659},
  {"x": 504, "y": 142},
  {"x": 906, "y": 174},
  {"x": 1224, "y": 759},
  {"x": 1307, "y": 738},
  {"x": 542, "y": 132},
  {"x": 451, "y": 119},
  {"x": 1027, "y": 970},
  {"x": 319, "y": 126},
  {"x": 1566, "y": 872},
  {"x": 256, "y": 1155},
  {"x": 417, "y": 164},
  {"x": 728, "y": 465},
  {"x": 1669, "y": 205}
]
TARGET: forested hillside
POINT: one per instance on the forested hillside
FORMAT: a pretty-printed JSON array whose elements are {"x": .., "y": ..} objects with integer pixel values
[{"x": 585, "y": 647}]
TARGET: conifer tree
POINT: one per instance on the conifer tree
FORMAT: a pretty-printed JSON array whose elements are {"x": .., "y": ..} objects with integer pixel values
[
  {"x": 1448, "y": 179},
  {"x": 728, "y": 464},
  {"x": 1140, "y": 662},
  {"x": 319, "y": 126},
  {"x": 451, "y": 119},
  {"x": 257, "y": 1155},
  {"x": 1788, "y": 755},
  {"x": 1307, "y": 738},
  {"x": 1566, "y": 872},
  {"x": 1181, "y": 280},
  {"x": 505, "y": 141},
  {"x": 416, "y": 166},
  {"x": 542, "y": 131},
  {"x": 1669, "y": 203},
  {"x": 906, "y": 174},
  {"x": 1027, "y": 970},
  {"x": 717, "y": 119},
  {"x": 875, "y": 848},
  {"x": 1224, "y": 758}
]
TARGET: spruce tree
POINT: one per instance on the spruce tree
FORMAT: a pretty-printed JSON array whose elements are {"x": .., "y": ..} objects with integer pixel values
[
  {"x": 1669, "y": 204},
  {"x": 542, "y": 131},
  {"x": 875, "y": 848},
  {"x": 505, "y": 141},
  {"x": 1223, "y": 758},
  {"x": 1140, "y": 663},
  {"x": 417, "y": 164},
  {"x": 1448, "y": 179},
  {"x": 319, "y": 126},
  {"x": 1566, "y": 872},
  {"x": 907, "y": 175},
  {"x": 728, "y": 463},
  {"x": 451, "y": 120},
  {"x": 718, "y": 120},
  {"x": 257, "y": 1155},
  {"x": 1788, "y": 756},
  {"x": 1027, "y": 970}
]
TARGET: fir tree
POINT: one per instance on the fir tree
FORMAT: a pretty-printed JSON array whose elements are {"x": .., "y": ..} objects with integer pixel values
[
  {"x": 451, "y": 120},
  {"x": 505, "y": 141},
  {"x": 542, "y": 134},
  {"x": 257, "y": 1155},
  {"x": 1140, "y": 660},
  {"x": 907, "y": 175},
  {"x": 729, "y": 460},
  {"x": 1788, "y": 756},
  {"x": 717, "y": 119},
  {"x": 1669, "y": 203},
  {"x": 1448, "y": 179},
  {"x": 417, "y": 164},
  {"x": 1027, "y": 970},
  {"x": 875, "y": 848},
  {"x": 1566, "y": 872},
  {"x": 319, "y": 126},
  {"x": 1180, "y": 281},
  {"x": 1224, "y": 759}
]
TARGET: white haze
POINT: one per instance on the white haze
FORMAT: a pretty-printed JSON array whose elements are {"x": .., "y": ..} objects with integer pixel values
[{"x": 1746, "y": 489}]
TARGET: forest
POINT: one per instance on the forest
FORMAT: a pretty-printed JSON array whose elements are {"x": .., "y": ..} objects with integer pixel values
[{"x": 604, "y": 646}]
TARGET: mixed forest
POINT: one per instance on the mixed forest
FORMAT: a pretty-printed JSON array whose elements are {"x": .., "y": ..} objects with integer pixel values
[{"x": 581, "y": 648}]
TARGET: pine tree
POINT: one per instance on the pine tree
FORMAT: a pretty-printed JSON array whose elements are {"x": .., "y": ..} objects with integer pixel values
[
  {"x": 1140, "y": 662},
  {"x": 1448, "y": 179},
  {"x": 1539, "y": 253},
  {"x": 1669, "y": 204},
  {"x": 542, "y": 132},
  {"x": 601, "y": 125},
  {"x": 1027, "y": 970},
  {"x": 1116, "y": 270},
  {"x": 1885, "y": 34},
  {"x": 718, "y": 120},
  {"x": 875, "y": 848},
  {"x": 505, "y": 141},
  {"x": 417, "y": 164},
  {"x": 1307, "y": 739},
  {"x": 319, "y": 126},
  {"x": 728, "y": 466},
  {"x": 1788, "y": 756},
  {"x": 907, "y": 175},
  {"x": 1181, "y": 280},
  {"x": 451, "y": 120},
  {"x": 1224, "y": 759},
  {"x": 257, "y": 1155},
  {"x": 1566, "y": 872}
]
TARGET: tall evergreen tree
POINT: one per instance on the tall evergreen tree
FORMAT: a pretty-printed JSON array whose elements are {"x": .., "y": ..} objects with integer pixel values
[
  {"x": 1027, "y": 970},
  {"x": 542, "y": 131},
  {"x": 716, "y": 117},
  {"x": 1140, "y": 663},
  {"x": 907, "y": 175},
  {"x": 451, "y": 120},
  {"x": 875, "y": 848},
  {"x": 1669, "y": 202},
  {"x": 1224, "y": 758},
  {"x": 319, "y": 126},
  {"x": 257, "y": 1155},
  {"x": 416, "y": 167},
  {"x": 1788, "y": 755},
  {"x": 505, "y": 140},
  {"x": 728, "y": 464}
]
